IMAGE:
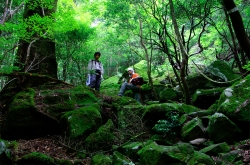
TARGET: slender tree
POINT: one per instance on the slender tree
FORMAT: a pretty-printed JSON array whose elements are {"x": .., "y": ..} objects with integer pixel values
[
  {"x": 183, "y": 53},
  {"x": 238, "y": 26}
]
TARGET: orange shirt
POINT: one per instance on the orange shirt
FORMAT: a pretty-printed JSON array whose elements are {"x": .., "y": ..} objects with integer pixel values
[{"x": 133, "y": 76}]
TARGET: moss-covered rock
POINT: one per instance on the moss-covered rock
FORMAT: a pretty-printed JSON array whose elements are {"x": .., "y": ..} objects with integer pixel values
[
  {"x": 110, "y": 86},
  {"x": 131, "y": 149},
  {"x": 232, "y": 156},
  {"x": 204, "y": 98},
  {"x": 23, "y": 119},
  {"x": 216, "y": 71},
  {"x": 192, "y": 130},
  {"x": 222, "y": 129},
  {"x": 101, "y": 159},
  {"x": 82, "y": 121},
  {"x": 103, "y": 137},
  {"x": 120, "y": 159},
  {"x": 36, "y": 158},
  {"x": 234, "y": 101},
  {"x": 168, "y": 94},
  {"x": 154, "y": 154},
  {"x": 201, "y": 159},
  {"x": 162, "y": 109},
  {"x": 215, "y": 149},
  {"x": 58, "y": 101},
  {"x": 220, "y": 71}
]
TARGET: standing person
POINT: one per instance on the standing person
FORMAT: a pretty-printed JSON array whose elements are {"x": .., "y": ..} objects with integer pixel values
[
  {"x": 96, "y": 71},
  {"x": 130, "y": 85}
]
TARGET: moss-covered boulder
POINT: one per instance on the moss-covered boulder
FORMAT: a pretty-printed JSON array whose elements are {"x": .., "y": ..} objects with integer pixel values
[
  {"x": 36, "y": 158},
  {"x": 220, "y": 71},
  {"x": 215, "y": 149},
  {"x": 101, "y": 159},
  {"x": 154, "y": 154},
  {"x": 120, "y": 159},
  {"x": 192, "y": 130},
  {"x": 102, "y": 138},
  {"x": 234, "y": 103},
  {"x": 200, "y": 159},
  {"x": 217, "y": 71},
  {"x": 204, "y": 98},
  {"x": 131, "y": 149},
  {"x": 231, "y": 157},
  {"x": 222, "y": 129},
  {"x": 110, "y": 86},
  {"x": 156, "y": 112},
  {"x": 58, "y": 101},
  {"x": 82, "y": 121},
  {"x": 24, "y": 120},
  {"x": 168, "y": 94}
]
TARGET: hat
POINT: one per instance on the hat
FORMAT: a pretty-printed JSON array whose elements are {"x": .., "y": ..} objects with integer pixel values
[
  {"x": 97, "y": 53},
  {"x": 130, "y": 69}
]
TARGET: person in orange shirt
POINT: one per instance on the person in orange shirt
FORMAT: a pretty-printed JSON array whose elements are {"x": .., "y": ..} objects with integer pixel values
[{"x": 130, "y": 85}]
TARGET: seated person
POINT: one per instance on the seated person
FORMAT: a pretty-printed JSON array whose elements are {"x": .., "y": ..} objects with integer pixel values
[{"x": 131, "y": 85}]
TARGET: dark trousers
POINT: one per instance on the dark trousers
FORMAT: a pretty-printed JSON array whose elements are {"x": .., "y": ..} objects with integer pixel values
[
  {"x": 135, "y": 89},
  {"x": 95, "y": 81}
]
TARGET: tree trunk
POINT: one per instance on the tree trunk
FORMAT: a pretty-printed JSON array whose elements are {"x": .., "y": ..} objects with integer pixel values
[
  {"x": 238, "y": 26},
  {"x": 36, "y": 54},
  {"x": 183, "y": 53}
]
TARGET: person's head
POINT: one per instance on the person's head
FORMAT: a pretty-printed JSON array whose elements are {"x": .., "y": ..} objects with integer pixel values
[
  {"x": 97, "y": 55},
  {"x": 130, "y": 71}
]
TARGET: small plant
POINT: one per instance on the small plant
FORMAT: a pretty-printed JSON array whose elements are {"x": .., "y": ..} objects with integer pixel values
[{"x": 169, "y": 125}]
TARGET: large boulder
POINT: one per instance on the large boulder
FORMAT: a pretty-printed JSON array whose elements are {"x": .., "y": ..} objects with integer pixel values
[
  {"x": 102, "y": 138},
  {"x": 156, "y": 112},
  {"x": 204, "y": 98},
  {"x": 217, "y": 74},
  {"x": 81, "y": 122},
  {"x": 24, "y": 120},
  {"x": 193, "y": 129},
  {"x": 222, "y": 129},
  {"x": 180, "y": 153},
  {"x": 234, "y": 103},
  {"x": 215, "y": 149}
]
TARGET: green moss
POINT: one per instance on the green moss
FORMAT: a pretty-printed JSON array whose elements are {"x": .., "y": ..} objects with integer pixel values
[
  {"x": 192, "y": 130},
  {"x": 119, "y": 159},
  {"x": 63, "y": 162},
  {"x": 36, "y": 158},
  {"x": 168, "y": 94},
  {"x": 23, "y": 100},
  {"x": 104, "y": 135},
  {"x": 200, "y": 159},
  {"x": 77, "y": 122},
  {"x": 233, "y": 98},
  {"x": 222, "y": 71},
  {"x": 100, "y": 159},
  {"x": 154, "y": 154},
  {"x": 165, "y": 107},
  {"x": 83, "y": 96},
  {"x": 110, "y": 86},
  {"x": 202, "y": 92},
  {"x": 216, "y": 148}
]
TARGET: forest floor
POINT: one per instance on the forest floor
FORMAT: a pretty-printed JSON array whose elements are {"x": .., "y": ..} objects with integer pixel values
[{"x": 58, "y": 148}]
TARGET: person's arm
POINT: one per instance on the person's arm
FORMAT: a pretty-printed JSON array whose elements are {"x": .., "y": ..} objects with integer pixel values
[
  {"x": 89, "y": 66},
  {"x": 102, "y": 70}
]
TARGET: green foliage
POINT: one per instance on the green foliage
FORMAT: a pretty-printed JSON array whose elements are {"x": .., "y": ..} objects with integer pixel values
[
  {"x": 168, "y": 125},
  {"x": 247, "y": 66}
]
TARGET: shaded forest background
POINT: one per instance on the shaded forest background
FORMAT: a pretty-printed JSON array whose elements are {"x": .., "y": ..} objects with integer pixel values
[{"x": 58, "y": 37}]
